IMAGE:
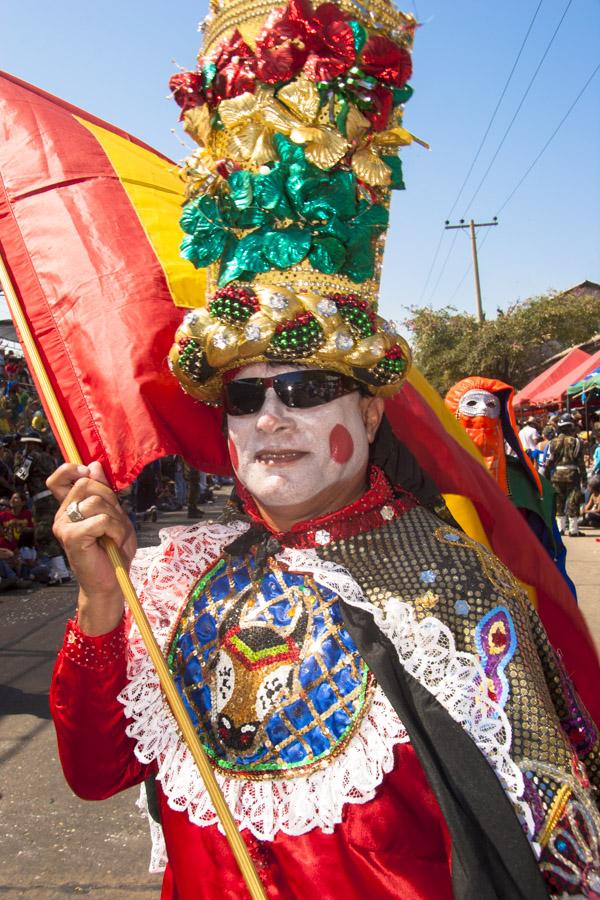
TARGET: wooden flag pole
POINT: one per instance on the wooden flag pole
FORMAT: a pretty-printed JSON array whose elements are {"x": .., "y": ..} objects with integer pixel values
[{"x": 238, "y": 847}]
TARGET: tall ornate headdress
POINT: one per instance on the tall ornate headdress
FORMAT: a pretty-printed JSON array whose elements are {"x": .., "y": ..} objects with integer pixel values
[{"x": 297, "y": 111}]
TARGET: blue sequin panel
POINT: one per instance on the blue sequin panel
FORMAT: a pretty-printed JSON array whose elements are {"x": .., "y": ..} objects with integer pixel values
[{"x": 272, "y": 679}]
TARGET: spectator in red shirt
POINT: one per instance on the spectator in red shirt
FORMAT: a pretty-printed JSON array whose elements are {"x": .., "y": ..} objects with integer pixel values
[
  {"x": 15, "y": 520},
  {"x": 11, "y": 365}
]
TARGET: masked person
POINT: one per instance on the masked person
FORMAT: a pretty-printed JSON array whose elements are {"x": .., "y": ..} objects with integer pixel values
[
  {"x": 373, "y": 688},
  {"x": 483, "y": 406},
  {"x": 565, "y": 466}
]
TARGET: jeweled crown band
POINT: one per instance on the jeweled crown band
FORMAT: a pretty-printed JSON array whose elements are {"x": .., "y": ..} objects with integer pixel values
[
  {"x": 244, "y": 326},
  {"x": 249, "y": 17},
  {"x": 297, "y": 111}
]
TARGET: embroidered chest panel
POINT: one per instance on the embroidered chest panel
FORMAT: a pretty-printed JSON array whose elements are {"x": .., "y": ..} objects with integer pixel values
[
  {"x": 442, "y": 573},
  {"x": 271, "y": 678}
]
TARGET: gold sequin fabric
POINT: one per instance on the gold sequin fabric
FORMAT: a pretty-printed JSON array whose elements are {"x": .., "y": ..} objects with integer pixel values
[{"x": 442, "y": 573}]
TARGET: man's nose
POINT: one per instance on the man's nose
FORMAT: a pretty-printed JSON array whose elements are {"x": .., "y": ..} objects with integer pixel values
[{"x": 274, "y": 415}]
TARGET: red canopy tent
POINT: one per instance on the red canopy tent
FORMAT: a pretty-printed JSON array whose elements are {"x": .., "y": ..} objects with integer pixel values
[
  {"x": 553, "y": 392},
  {"x": 550, "y": 376}
]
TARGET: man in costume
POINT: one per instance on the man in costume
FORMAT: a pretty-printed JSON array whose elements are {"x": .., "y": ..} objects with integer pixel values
[
  {"x": 565, "y": 466},
  {"x": 484, "y": 407},
  {"x": 375, "y": 692}
]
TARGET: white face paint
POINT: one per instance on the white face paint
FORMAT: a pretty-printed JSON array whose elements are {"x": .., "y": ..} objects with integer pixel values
[
  {"x": 479, "y": 403},
  {"x": 284, "y": 457}
]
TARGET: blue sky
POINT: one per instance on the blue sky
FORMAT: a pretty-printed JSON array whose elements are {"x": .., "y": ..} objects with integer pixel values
[{"x": 115, "y": 59}]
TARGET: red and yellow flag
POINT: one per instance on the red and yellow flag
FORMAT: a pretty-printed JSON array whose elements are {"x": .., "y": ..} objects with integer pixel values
[{"x": 89, "y": 233}]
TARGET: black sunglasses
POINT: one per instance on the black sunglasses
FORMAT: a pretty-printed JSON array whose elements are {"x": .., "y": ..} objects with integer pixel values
[{"x": 299, "y": 389}]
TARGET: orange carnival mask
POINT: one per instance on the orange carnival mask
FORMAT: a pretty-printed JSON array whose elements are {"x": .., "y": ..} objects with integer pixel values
[{"x": 483, "y": 406}]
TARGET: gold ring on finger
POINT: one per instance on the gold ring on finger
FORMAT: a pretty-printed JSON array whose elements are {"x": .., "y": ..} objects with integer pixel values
[{"x": 74, "y": 513}]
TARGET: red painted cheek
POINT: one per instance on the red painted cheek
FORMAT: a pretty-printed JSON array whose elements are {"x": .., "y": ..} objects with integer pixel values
[
  {"x": 232, "y": 453},
  {"x": 341, "y": 445}
]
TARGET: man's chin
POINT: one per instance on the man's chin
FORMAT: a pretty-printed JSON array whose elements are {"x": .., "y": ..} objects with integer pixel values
[{"x": 275, "y": 489}]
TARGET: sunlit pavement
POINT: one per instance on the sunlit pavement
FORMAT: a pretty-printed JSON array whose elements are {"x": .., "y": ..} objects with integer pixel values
[
  {"x": 55, "y": 845},
  {"x": 583, "y": 565}
]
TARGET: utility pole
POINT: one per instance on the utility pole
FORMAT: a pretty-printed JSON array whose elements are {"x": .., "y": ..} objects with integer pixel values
[{"x": 472, "y": 226}]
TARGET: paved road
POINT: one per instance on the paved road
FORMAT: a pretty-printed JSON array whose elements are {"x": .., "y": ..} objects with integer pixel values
[{"x": 54, "y": 845}]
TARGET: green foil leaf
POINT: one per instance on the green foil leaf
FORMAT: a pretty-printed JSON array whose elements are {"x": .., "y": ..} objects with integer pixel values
[
  {"x": 286, "y": 246},
  {"x": 360, "y": 35},
  {"x": 232, "y": 268},
  {"x": 372, "y": 215},
  {"x": 210, "y": 209},
  {"x": 249, "y": 253},
  {"x": 342, "y": 115},
  {"x": 269, "y": 193},
  {"x": 360, "y": 261},
  {"x": 204, "y": 250},
  {"x": 395, "y": 164},
  {"x": 209, "y": 70},
  {"x": 288, "y": 151},
  {"x": 339, "y": 229},
  {"x": 240, "y": 189},
  {"x": 189, "y": 217},
  {"x": 318, "y": 196},
  {"x": 327, "y": 254},
  {"x": 403, "y": 94}
]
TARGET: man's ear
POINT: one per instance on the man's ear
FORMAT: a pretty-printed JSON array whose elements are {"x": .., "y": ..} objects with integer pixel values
[{"x": 372, "y": 409}]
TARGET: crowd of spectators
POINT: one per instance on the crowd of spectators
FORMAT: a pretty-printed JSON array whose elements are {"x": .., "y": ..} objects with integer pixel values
[
  {"x": 28, "y": 453},
  {"x": 536, "y": 434},
  {"x": 24, "y": 433}
]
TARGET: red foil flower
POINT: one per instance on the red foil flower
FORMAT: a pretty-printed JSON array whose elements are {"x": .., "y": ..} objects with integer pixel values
[
  {"x": 334, "y": 51},
  {"x": 383, "y": 102},
  {"x": 187, "y": 89},
  {"x": 295, "y": 38},
  {"x": 284, "y": 43},
  {"x": 236, "y": 68},
  {"x": 386, "y": 61}
]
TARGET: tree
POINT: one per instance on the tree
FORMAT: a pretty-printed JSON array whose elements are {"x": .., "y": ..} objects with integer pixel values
[{"x": 449, "y": 345}]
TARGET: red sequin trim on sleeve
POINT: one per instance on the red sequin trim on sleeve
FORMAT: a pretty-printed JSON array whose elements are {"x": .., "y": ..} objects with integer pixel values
[{"x": 94, "y": 652}]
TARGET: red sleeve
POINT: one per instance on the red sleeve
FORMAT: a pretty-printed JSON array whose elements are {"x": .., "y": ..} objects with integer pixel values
[{"x": 97, "y": 757}]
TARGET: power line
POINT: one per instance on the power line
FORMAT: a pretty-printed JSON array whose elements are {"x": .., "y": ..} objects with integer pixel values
[
  {"x": 475, "y": 158},
  {"x": 433, "y": 262},
  {"x": 522, "y": 101},
  {"x": 528, "y": 170},
  {"x": 443, "y": 269},
  {"x": 496, "y": 108},
  {"x": 551, "y": 138}
]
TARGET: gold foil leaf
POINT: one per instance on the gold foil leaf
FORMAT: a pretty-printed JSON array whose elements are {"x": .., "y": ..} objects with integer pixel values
[
  {"x": 370, "y": 168},
  {"x": 302, "y": 98},
  {"x": 324, "y": 146},
  {"x": 277, "y": 116},
  {"x": 237, "y": 109},
  {"x": 356, "y": 124},
  {"x": 393, "y": 137},
  {"x": 196, "y": 122},
  {"x": 253, "y": 142}
]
